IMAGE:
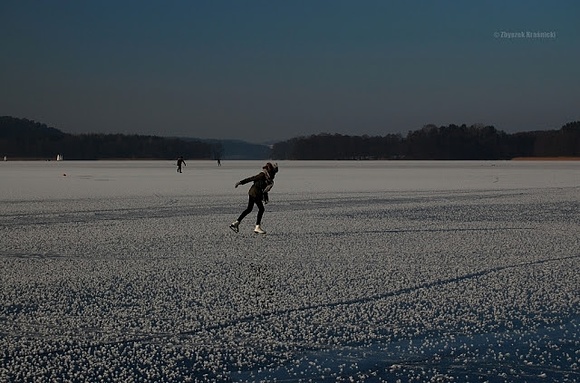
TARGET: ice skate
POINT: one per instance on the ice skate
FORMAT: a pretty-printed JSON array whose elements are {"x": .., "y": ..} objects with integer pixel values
[
  {"x": 259, "y": 230},
  {"x": 235, "y": 226}
]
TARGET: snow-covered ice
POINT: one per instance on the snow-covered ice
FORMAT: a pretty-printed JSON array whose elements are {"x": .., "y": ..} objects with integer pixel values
[{"x": 370, "y": 271}]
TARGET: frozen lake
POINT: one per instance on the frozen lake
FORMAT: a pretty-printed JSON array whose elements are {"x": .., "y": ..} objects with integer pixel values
[{"x": 370, "y": 271}]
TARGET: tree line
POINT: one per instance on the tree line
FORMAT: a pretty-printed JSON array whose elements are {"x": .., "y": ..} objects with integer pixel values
[
  {"x": 22, "y": 138},
  {"x": 452, "y": 142}
]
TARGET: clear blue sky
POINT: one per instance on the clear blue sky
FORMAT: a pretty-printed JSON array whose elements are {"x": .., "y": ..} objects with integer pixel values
[{"x": 268, "y": 70}]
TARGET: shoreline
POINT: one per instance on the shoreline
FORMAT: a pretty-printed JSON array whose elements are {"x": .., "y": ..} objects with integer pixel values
[{"x": 545, "y": 159}]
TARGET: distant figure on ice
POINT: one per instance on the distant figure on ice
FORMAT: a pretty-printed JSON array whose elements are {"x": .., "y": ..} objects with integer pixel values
[
  {"x": 219, "y": 162},
  {"x": 180, "y": 161},
  {"x": 263, "y": 182}
]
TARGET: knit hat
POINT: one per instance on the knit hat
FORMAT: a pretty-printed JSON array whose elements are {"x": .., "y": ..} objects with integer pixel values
[{"x": 272, "y": 169}]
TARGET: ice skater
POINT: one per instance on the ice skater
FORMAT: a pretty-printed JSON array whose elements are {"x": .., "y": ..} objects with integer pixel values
[
  {"x": 258, "y": 194},
  {"x": 180, "y": 161}
]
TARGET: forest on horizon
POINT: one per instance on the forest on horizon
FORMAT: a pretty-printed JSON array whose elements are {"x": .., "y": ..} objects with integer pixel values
[
  {"x": 452, "y": 142},
  {"x": 26, "y": 139}
]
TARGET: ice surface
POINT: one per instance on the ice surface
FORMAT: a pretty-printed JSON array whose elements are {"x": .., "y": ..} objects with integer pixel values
[{"x": 370, "y": 271}]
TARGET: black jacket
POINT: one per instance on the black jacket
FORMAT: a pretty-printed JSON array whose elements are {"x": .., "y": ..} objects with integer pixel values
[{"x": 257, "y": 189}]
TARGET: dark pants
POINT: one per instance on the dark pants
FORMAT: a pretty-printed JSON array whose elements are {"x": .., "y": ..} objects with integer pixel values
[{"x": 251, "y": 203}]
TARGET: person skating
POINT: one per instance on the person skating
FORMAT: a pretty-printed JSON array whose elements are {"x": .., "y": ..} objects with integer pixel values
[
  {"x": 258, "y": 194},
  {"x": 180, "y": 161}
]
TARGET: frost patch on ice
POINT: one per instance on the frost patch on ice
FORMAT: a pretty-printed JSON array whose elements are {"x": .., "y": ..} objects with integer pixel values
[{"x": 471, "y": 279}]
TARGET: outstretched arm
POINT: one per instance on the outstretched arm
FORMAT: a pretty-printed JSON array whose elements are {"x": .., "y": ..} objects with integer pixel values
[{"x": 250, "y": 179}]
